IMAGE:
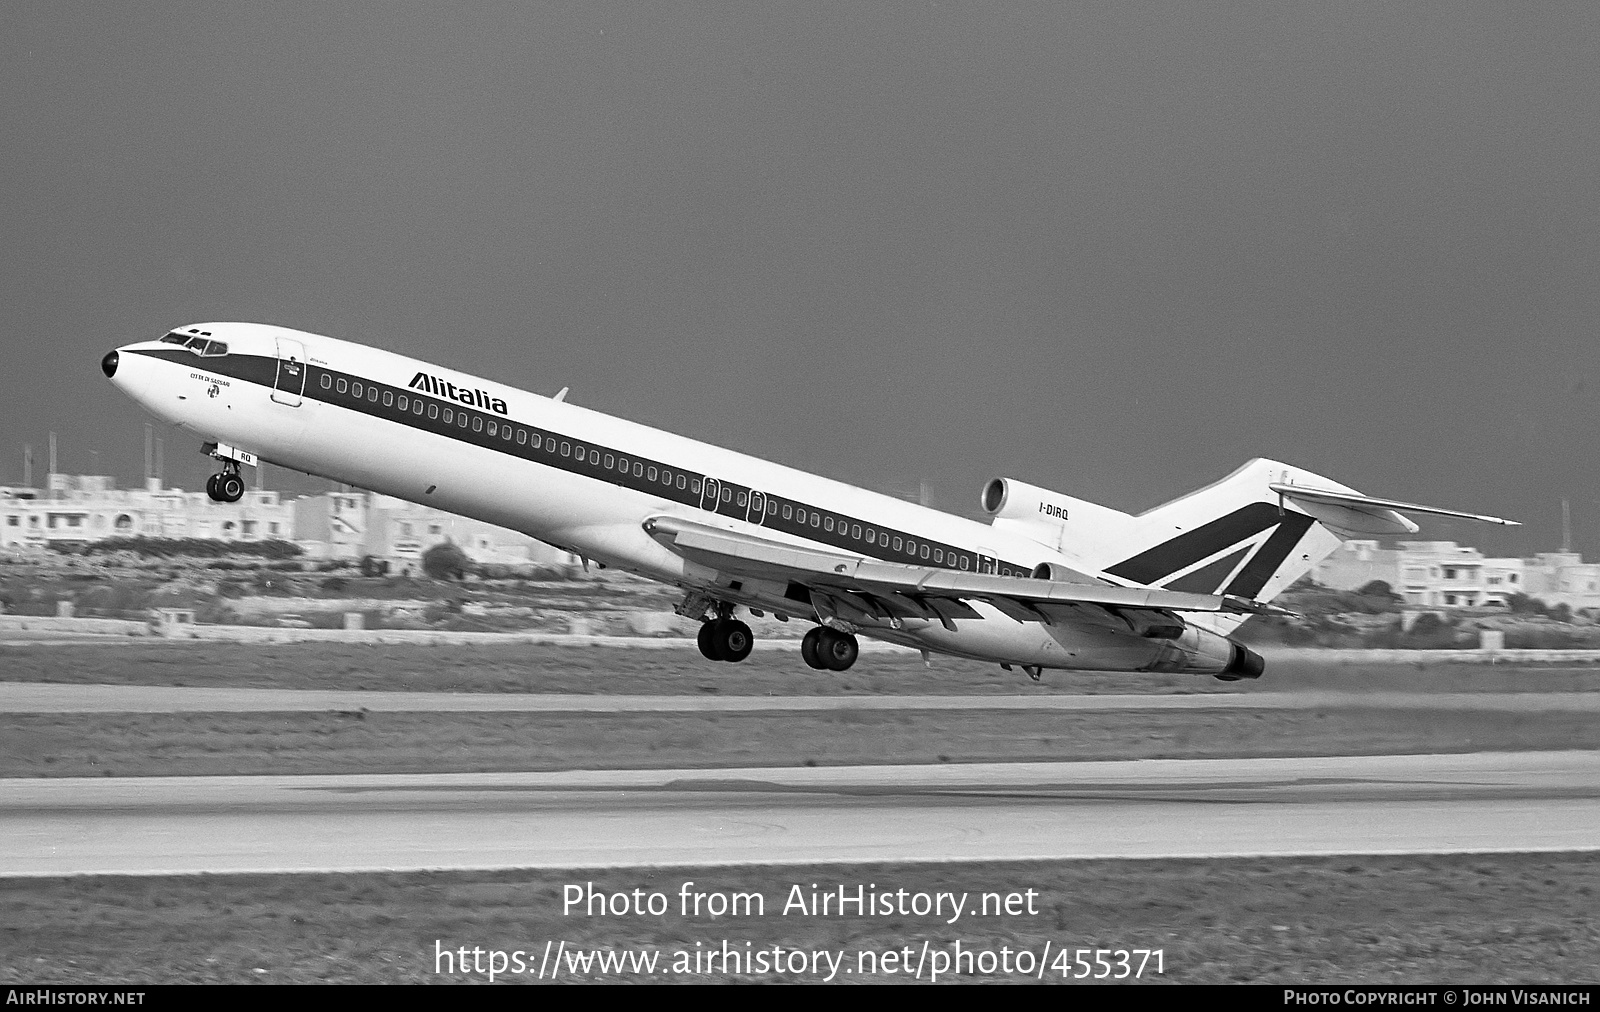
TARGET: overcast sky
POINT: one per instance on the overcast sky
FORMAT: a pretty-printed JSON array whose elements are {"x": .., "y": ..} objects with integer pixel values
[{"x": 1111, "y": 249}]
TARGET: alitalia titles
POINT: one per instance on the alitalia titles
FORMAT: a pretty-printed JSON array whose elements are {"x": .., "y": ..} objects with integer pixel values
[{"x": 441, "y": 388}]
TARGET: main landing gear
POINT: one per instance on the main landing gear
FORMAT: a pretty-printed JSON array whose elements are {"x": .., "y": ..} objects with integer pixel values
[
  {"x": 829, "y": 649},
  {"x": 725, "y": 639},
  {"x": 227, "y": 486}
]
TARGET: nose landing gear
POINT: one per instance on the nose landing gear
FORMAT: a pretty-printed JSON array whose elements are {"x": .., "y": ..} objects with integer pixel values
[{"x": 227, "y": 486}]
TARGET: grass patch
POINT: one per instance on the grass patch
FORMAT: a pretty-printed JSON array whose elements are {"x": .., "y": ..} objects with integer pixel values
[
  {"x": 201, "y": 744},
  {"x": 521, "y": 667},
  {"x": 1479, "y": 919}
]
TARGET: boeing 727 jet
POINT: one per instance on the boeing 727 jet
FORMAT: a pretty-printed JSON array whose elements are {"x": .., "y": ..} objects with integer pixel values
[{"x": 1050, "y": 582}]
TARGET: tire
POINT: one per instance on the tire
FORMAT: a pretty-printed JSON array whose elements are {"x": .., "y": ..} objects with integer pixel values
[
  {"x": 838, "y": 650},
  {"x": 211, "y": 488},
  {"x": 734, "y": 640},
  {"x": 230, "y": 487},
  {"x": 707, "y": 639},
  {"x": 810, "y": 649}
]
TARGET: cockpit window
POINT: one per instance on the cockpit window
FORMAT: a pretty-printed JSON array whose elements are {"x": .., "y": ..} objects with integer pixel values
[{"x": 199, "y": 345}]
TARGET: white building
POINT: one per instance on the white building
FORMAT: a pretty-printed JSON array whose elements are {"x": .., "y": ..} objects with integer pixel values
[
  {"x": 86, "y": 508},
  {"x": 350, "y": 525}
]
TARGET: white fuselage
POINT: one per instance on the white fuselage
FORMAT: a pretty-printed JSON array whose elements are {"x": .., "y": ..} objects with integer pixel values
[{"x": 378, "y": 421}]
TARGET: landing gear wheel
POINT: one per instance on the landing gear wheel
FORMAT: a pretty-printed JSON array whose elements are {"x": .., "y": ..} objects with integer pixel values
[
  {"x": 837, "y": 650},
  {"x": 810, "y": 649},
  {"x": 211, "y": 488},
  {"x": 230, "y": 487},
  {"x": 707, "y": 639},
  {"x": 734, "y": 639}
]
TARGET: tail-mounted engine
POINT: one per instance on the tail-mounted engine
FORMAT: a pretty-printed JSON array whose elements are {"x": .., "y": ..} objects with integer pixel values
[{"x": 1054, "y": 520}]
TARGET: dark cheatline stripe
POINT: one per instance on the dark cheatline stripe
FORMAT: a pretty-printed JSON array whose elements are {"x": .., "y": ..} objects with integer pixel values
[
  {"x": 1209, "y": 578},
  {"x": 1186, "y": 549},
  {"x": 1259, "y": 570},
  {"x": 381, "y": 400}
]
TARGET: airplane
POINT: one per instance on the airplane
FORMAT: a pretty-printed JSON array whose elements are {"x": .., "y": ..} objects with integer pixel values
[{"x": 1051, "y": 581}]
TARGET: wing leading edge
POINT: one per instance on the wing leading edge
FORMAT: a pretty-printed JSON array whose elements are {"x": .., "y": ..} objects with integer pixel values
[{"x": 893, "y": 591}]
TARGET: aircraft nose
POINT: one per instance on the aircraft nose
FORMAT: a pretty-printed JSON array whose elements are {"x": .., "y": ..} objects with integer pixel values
[{"x": 108, "y": 365}]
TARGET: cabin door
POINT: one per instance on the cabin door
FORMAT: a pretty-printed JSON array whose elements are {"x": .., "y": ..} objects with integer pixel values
[{"x": 290, "y": 384}]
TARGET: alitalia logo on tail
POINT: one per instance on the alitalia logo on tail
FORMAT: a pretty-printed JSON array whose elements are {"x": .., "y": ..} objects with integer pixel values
[{"x": 440, "y": 388}]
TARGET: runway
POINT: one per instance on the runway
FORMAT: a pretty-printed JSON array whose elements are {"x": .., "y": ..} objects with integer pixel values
[
  {"x": 40, "y": 697},
  {"x": 1482, "y": 802}
]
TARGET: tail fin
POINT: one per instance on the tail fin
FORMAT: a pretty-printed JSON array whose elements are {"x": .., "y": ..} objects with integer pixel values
[
  {"x": 1249, "y": 535},
  {"x": 1236, "y": 536}
]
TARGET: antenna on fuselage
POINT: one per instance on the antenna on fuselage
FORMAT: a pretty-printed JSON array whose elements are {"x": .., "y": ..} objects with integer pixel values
[{"x": 562, "y": 395}]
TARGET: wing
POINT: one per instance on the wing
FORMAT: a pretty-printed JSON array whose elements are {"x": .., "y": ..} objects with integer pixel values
[{"x": 854, "y": 587}]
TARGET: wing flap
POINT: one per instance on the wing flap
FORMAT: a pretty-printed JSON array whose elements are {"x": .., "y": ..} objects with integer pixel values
[{"x": 913, "y": 591}]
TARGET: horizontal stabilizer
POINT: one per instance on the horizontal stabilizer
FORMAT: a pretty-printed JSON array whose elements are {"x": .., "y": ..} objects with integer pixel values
[{"x": 1300, "y": 493}]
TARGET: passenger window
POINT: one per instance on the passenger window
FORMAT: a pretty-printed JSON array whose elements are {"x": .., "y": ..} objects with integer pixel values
[
  {"x": 964, "y": 562},
  {"x": 680, "y": 482},
  {"x": 566, "y": 449},
  {"x": 938, "y": 555},
  {"x": 694, "y": 486},
  {"x": 727, "y": 494},
  {"x": 405, "y": 402},
  {"x": 372, "y": 394},
  {"x": 772, "y": 508},
  {"x": 505, "y": 432},
  {"x": 827, "y": 524},
  {"x": 493, "y": 428},
  {"x": 897, "y": 544},
  {"x": 327, "y": 381},
  {"x": 433, "y": 410},
  {"x": 449, "y": 416},
  {"x": 638, "y": 470},
  {"x": 355, "y": 389},
  {"x": 741, "y": 498},
  {"x": 816, "y": 519},
  {"x": 924, "y": 551},
  {"x": 388, "y": 398},
  {"x": 342, "y": 386},
  {"x": 650, "y": 474},
  {"x": 622, "y": 464},
  {"x": 522, "y": 437},
  {"x": 416, "y": 406},
  {"x": 788, "y": 511},
  {"x": 578, "y": 452},
  {"x": 855, "y": 532},
  {"x": 610, "y": 462},
  {"x": 594, "y": 456}
]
